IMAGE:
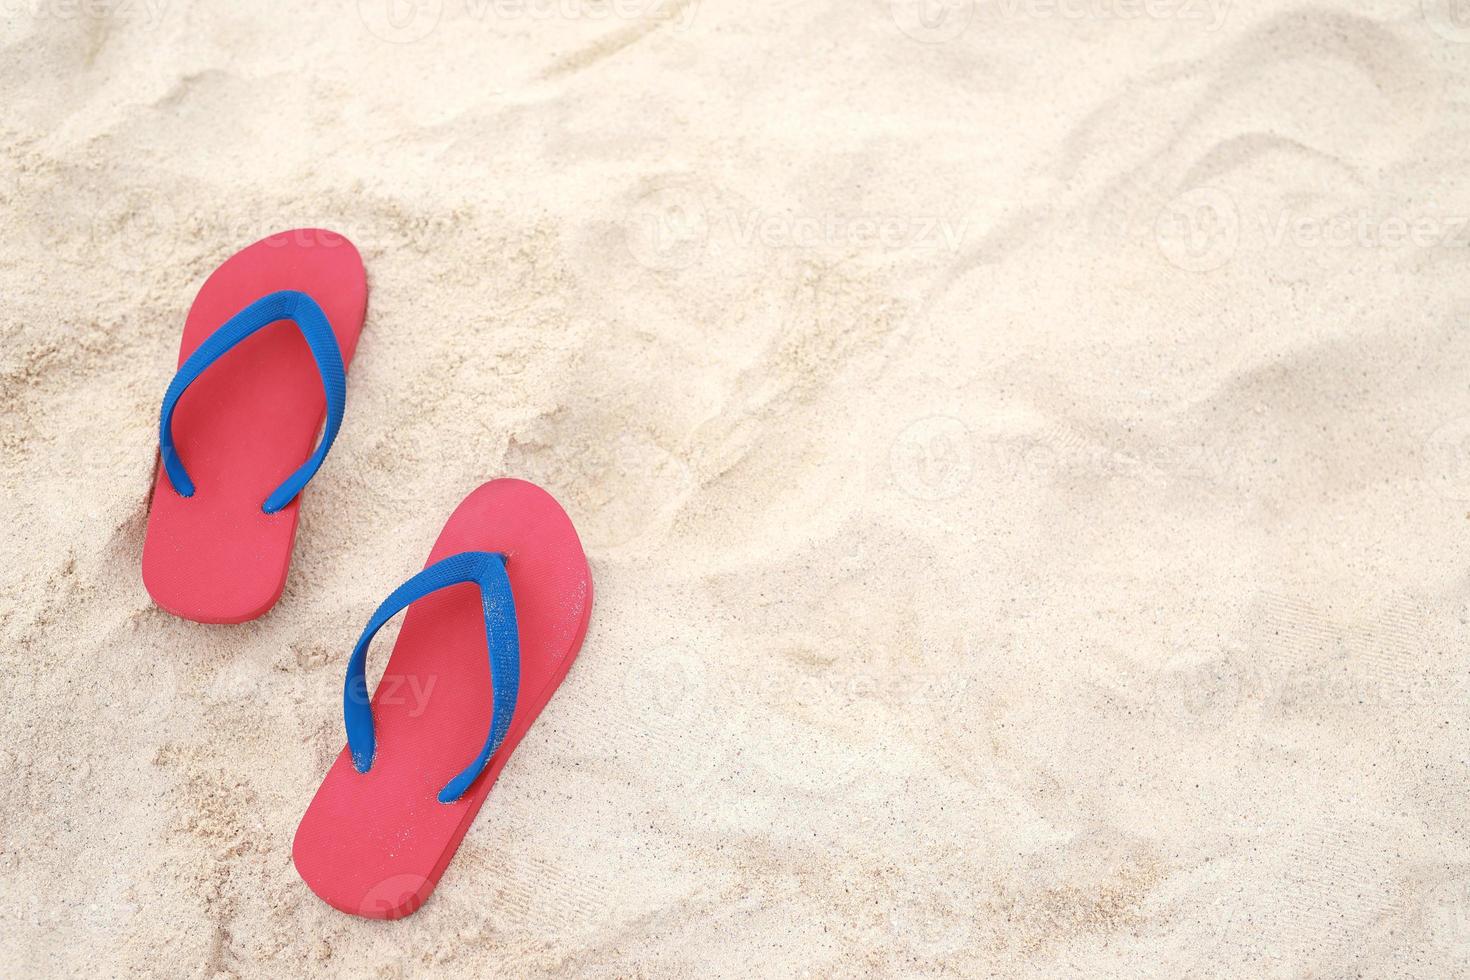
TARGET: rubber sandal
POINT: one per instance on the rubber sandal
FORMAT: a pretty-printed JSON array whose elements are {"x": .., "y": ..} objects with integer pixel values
[
  {"x": 263, "y": 359},
  {"x": 506, "y": 581}
]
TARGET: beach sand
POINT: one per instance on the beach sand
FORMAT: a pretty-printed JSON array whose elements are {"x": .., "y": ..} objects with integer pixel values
[{"x": 1022, "y": 448}]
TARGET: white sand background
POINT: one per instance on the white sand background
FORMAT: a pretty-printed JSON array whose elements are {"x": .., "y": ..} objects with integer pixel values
[{"x": 1023, "y": 449}]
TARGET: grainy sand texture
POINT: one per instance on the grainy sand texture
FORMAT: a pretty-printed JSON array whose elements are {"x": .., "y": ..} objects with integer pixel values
[{"x": 1022, "y": 448}]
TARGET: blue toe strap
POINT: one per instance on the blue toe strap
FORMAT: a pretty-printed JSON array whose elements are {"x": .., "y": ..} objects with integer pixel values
[
  {"x": 487, "y": 570},
  {"x": 288, "y": 304}
]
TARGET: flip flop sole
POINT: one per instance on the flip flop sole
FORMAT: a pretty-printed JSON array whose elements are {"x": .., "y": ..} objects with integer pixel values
[
  {"x": 245, "y": 425},
  {"x": 374, "y": 844}
]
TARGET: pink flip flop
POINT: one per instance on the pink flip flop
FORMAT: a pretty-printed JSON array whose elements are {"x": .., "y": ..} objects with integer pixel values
[
  {"x": 275, "y": 326},
  {"x": 506, "y": 582}
]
